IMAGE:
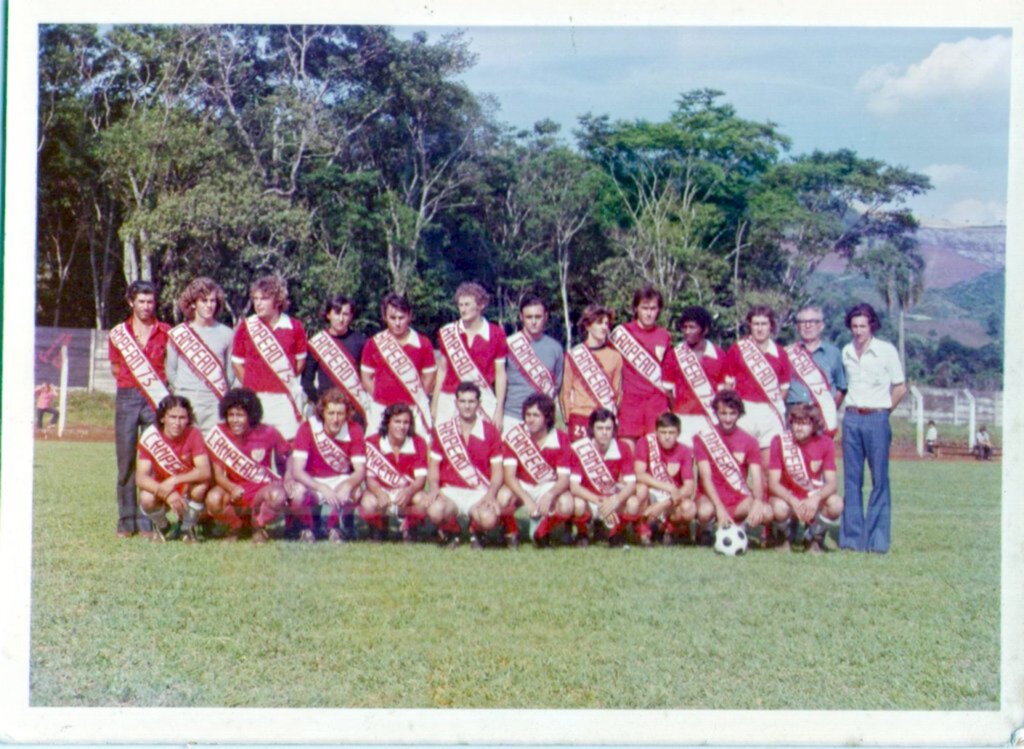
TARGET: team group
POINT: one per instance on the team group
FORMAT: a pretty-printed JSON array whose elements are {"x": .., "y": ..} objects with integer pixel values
[{"x": 664, "y": 441}]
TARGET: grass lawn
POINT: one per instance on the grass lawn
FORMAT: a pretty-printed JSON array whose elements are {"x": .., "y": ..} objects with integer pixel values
[{"x": 118, "y": 622}]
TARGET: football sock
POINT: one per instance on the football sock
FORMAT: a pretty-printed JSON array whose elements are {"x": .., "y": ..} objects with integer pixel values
[
  {"x": 192, "y": 513},
  {"x": 451, "y": 526},
  {"x": 509, "y": 525},
  {"x": 541, "y": 529},
  {"x": 265, "y": 515},
  {"x": 230, "y": 518},
  {"x": 373, "y": 519},
  {"x": 159, "y": 517}
]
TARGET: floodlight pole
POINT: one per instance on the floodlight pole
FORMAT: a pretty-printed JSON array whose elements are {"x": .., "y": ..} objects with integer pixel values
[
  {"x": 972, "y": 418},
  {"x": 919, "y": 408}
]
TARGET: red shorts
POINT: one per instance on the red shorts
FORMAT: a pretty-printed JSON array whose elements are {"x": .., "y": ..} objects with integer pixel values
[{"x": 638, "y": 418}]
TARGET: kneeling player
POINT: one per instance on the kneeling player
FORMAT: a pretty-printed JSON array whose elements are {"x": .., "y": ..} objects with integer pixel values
[
  {"x": 248, "y": 460},
  {"x": 326, "y": 467},
  {"x": 173, "y": 469},
  {"x": 536, "y": 471},
  {"x": 727, "y": 458},
  {"x": 664, "y": 477},
  {"x": 802, "y": 480},
  {"x": 396, "y": 472},
  {"x": 464, "y": 471},
  {"x": 603, "y": 483}
]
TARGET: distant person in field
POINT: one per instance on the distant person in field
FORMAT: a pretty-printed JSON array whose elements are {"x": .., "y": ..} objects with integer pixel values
[
  {"x": 464, "y": 471},
  {"x": 249, "y": 459},
  {"x": 693, "y": 370},
  {"x": 200, "y": 351},
  {"x": 535, "y": 361},
  {"x": 46, "y": 395},
  {"x": 334, "y": 356},
  {"x": 396, "y": 472},
  {"x": 802, "y": 479},
  {"x": 758, "y": 369},
  {"x": 173, "y": 469},
  {"x": 664, "y": 476},
  {"x": 818, "y": 374},
  {"x": 398, "y": 366},
  {"x": 643, "y": 345},
  {"x": 876, "y": 386},
  {"x": 592, "y": 376},
  {"x": 472, "y": 350},
  {"x": 732, "y": 488},
  {"x": 931, "y": 439},
  {"x": 326, "y": 469},
  {"x": 983, "y": 444},
  {"x": 137, "y": 349},
  {"x": 536, "y": 471},
  {"x": 269, "y": 354},
  {"x": 602, "y": 480}
]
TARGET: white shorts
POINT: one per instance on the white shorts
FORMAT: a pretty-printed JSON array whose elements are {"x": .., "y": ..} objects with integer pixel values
[
  {"x": 690, "y": 425},
  {"x": 278, "y": 413},
  {"x": 761, "y": 422},
  {"x": 376, "y": 415},
  {"x": 536, "y": 491},
  {"x": 463, "y": 498},
  {"x": 658, "y": 495}
]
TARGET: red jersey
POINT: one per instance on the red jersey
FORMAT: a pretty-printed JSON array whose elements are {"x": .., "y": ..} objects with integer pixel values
[
  {"x": 189, "y": 445},
  {"x": 349, "y": 439},
  {"x": 744, "y": 449},
  {"x": 618, "y": 459},
  {"x": 489, "y": 347},
  {"x": 747, "y": 387},
  {"x": 258, "y": 375},
  {"x": 555, "y": 450},
  {"x": 635, "y": 387},
  {"x": 265, "y": 445},
  {"x": 387, "y": 388},
  {"x": 819, "y": 453},
  {"x": 483, "y": 448},
  {"x": 155, "y": 350},
  {"x": 411, "y": 459},
  {"x": 678, "y": 461},
  {"x": 713, "y": 364}
]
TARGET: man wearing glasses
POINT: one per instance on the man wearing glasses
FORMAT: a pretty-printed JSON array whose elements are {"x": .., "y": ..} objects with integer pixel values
[{"x": 818, "y": 365}]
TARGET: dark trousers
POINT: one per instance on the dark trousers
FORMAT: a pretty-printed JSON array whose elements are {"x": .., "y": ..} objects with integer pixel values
[
  {"x": 41, "y": 412},
  {"x": 132, "y": 412},
  {"x": 866, "y": 438}
]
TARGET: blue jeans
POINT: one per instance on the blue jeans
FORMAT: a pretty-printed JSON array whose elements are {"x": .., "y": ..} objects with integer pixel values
[
  {"x": 131, "y": 412},
  {"x": 866, "y": 437}
]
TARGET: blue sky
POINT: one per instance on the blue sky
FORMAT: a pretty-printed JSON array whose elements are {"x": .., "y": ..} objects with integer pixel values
[{"x": 934, "y": 100}]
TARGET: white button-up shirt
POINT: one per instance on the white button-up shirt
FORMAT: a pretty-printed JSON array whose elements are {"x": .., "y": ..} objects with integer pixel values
[{"x": 870, "y": 376}]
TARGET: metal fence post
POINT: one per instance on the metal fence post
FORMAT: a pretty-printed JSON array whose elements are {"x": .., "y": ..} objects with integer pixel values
[
  {"x": 972, "y": 418},
  {"x": 919, "y": 409}
]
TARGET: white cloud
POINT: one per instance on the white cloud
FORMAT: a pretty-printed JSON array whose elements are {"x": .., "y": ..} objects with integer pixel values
[
  {"x": 975, "y": 212},
  {"x": 945, "y": 174},
  {"x": 968, "y": 66}
]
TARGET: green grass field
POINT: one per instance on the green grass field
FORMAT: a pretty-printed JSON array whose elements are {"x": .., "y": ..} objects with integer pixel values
[{"x": 118, "y": 622}]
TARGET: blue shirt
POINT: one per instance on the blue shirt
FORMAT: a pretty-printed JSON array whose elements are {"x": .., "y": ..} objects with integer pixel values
[{"x": 830, "y": 360}]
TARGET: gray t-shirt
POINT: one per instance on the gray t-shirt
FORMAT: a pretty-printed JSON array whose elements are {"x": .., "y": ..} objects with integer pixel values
[
  {"x": 181, "y": 378},
  {"x": 552, "y": 355}
]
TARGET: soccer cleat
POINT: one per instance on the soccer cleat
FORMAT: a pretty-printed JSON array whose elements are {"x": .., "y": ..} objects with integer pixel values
[
  {"x": 783, "y": 545},
  {"x": 334, "y": 536},
  {"x": 190, "y": 536},
  {"x": 306, "y": 536},
  {"x": 645, "y": 541},
  {"x": 667, "y": 540},
  {"x": 615, "y": 542},
  {"x": 512, "y": 540},
  {"x": 814, "y": 548},
  {"x": 543, "y": 542},
  {"x": 407, "y": 536},
  {"x": 232, "y": 535},
  {"x": 475, "y": 543},
  {"x": 453, "y": 543},
  {"x": 158, "y": 535},
  {"x": 260, "y": 536}
]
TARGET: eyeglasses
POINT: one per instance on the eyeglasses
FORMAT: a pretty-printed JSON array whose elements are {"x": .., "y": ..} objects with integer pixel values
[{"x": 809, "y": 322}]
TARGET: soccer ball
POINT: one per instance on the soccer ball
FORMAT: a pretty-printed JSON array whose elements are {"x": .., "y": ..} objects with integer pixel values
[{"x": 731, "y": 541}]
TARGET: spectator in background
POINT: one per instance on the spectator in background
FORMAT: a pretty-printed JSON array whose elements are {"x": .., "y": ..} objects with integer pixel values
[
  {"x": 46, "y": 396},
  {"x": 982, "y": 444},
  {"x": 931, "y": 439}
]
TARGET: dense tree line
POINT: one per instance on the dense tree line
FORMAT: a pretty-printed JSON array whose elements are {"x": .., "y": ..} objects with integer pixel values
[{"x": 349, "y": 160}]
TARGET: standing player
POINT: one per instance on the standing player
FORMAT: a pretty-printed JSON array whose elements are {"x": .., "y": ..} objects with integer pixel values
[
  {"x": 398, "y": 366},
  {"x": 759, "y": 370},
  {"x": 642, "y": 343},
  {"x": 818, "y": 375},
  {"x": 173, "y": 470},
  {"x": 197, "y": 359},
  {"x": 593, "y": 372},
  {"x": 729, "y": 470},
  {"x": 536, "y": 471},
  {"x": 269, "y": 353},
  {"x": 802, "y": 483},
  {"x": 603, "y": 483},
  {"x": 137, "y": 349},
  {"x": 464, "y": 471},
  {"x": 876, "y": 386},
  {"x": 664, "y": 476},
  {"x": 472, "y": 350},
  {"x": 536, "y": 361},
  {"x": 694, "y": 369},
  {"x": 326, "y": 468},
  {"x": 248, "y": 462},
  {"x": 396, "y": 471},
  {"x": 335, "y": 353}
]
